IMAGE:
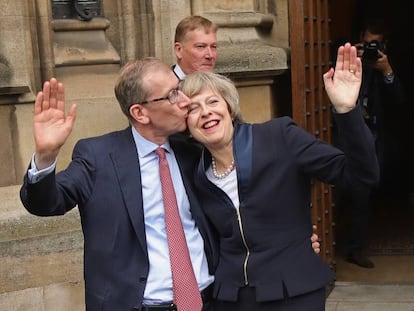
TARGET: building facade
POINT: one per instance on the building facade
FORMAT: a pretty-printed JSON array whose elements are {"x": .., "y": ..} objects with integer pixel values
[{"x": 84, "y": 44}]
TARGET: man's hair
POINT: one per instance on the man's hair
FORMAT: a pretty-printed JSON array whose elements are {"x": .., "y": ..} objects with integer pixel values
[
  {"x": 130, "y": 87},
  {"x": 191, "y": 23},
  {"x": 376, "y": 26},
  {"x": 197, "y": 81}
]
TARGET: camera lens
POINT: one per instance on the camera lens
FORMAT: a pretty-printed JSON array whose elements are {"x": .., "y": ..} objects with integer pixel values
[{"x": 371, "y": 51}]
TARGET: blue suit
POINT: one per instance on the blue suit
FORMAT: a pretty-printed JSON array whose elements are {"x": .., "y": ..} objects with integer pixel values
[
  {"x": 266, "y": 244},
  {"x": 103, "y": 180}
]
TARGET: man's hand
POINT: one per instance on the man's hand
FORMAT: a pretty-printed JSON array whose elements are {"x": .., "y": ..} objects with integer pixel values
[
  {"x": 382, "y": 64},
  {"x": 50, "y": 124},
  {"x": 314, "y": 239}
]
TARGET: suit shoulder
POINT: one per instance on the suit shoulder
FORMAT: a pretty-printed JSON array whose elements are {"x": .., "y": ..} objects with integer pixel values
[
  {"x": 107, "y": 137},
  {"x": 279, "y": 122}
]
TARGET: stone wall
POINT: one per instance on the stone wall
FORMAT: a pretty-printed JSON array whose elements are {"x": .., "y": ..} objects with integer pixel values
[{"x": 41, "y": 259}]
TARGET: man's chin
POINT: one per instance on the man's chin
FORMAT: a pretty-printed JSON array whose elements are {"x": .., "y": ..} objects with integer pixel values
[
  {"x": 183, "y": 127},
  {"x": 207, "y": 68}
]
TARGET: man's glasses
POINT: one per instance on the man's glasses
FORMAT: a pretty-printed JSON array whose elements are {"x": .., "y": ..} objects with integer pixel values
[{"x": 172, "y": 97}]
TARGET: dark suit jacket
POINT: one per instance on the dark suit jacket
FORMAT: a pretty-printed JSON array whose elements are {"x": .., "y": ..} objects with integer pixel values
[
  {"x": 103, "y": 179},
  {"x": 267, "y": 244},
  {"x": 384, "y": 110},
  {"x": 382, "y": 97}
]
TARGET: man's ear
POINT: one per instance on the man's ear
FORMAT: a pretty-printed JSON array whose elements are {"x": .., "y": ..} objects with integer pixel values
[
  {"x": 139, "y": 114},
  {"x": 178, "y": 50}
]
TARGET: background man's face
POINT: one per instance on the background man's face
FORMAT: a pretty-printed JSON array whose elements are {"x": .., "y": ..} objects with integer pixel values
[{"x": 197, "y": 52}]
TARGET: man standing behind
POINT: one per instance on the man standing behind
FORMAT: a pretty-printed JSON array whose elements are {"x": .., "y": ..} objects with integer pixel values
[
  {"x": 195, "y": 45},
  {"x": 381, "y": 94}
]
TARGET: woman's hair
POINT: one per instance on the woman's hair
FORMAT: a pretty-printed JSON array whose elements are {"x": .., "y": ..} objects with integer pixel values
[{"x": 197, "y": 81}]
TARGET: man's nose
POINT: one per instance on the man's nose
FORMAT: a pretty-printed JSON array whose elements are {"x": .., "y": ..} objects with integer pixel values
[
  {"x": 209, "y": 53},
  {"x": 183, "y": 100}
]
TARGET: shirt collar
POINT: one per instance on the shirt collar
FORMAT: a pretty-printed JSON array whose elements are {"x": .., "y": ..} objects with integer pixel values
[
  {"x": 144, "y": 146},
  {"x": 179, "y": 72}
]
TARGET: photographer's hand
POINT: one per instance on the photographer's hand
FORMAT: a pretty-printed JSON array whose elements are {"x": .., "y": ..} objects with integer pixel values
[
  {"x": 382, "y": 64},
  {"x": 360, "y": 49}
]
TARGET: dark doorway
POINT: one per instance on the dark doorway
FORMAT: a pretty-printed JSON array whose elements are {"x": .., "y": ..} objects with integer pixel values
[{"x": 390, "y": 230}]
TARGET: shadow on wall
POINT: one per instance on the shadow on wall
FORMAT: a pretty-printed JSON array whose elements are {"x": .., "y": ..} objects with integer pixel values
[{"x": 5, "y": 71}]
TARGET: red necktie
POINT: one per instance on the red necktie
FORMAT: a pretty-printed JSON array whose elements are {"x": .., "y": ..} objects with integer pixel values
[{"x": 187, "y": 296}]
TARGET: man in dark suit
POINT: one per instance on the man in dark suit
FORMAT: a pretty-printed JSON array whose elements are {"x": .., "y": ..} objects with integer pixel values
[
  {"x": 380, "y": 96},
  {"x": 113, "y": 180},
  {"x": 195, "y": 45}
]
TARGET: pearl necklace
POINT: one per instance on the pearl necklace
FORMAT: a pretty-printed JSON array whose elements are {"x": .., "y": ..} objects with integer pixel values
[{"x": 226, "y": 173}]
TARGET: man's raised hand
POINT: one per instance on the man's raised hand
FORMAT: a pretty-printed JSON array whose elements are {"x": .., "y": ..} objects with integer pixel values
[{"x": 51, "y": 125}]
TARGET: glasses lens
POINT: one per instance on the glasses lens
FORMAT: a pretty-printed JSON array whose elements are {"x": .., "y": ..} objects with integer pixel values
[{"x": 173, "y": 96}]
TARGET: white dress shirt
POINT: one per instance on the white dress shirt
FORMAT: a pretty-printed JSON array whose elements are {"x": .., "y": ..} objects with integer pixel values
[
  {"x": 179, "y": 72},
  {"x": 159, "y": 283}
]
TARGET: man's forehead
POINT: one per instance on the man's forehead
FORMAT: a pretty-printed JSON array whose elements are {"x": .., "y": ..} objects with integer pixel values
[
  {"x": 161, "y": 78},
  {"x": 196, "y": 33},
  {"x": 368, "y": 36}
]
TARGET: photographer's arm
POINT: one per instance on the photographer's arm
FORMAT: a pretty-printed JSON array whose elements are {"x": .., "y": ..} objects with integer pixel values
[{"x": 384, "y": 67}]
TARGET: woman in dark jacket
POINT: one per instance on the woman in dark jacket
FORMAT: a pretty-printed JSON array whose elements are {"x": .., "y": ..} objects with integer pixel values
[{"x": 254, "y": 183}]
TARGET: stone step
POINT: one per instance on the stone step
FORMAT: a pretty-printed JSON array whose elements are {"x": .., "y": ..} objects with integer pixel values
[
  {"x": 68, "y": 296},
  {"x": 37, "y": 251},
  {"x": 23, "y": 233}
]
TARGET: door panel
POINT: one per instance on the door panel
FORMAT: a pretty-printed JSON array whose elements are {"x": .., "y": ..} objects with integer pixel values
[{"x": 310, "y": 58}]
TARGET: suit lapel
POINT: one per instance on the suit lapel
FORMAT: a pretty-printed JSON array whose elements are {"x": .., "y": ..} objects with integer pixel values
[
  {"x": 243, "y": 153},
  {"x": 126, "y": 163}
]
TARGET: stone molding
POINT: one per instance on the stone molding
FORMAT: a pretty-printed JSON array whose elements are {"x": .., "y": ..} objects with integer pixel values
[{"x": 82, "y": 43}]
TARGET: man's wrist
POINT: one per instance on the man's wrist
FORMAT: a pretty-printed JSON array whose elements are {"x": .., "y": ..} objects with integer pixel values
[
  {"x": 44, "y": 160},
  {"x": 389, "y": 77}
]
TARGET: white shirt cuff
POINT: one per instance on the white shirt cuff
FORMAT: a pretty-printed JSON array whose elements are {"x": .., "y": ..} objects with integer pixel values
[{"x": 34, "y": 175}]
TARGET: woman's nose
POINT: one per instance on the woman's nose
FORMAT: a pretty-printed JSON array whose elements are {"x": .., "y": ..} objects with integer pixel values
[{"x": 204, "y": 110}]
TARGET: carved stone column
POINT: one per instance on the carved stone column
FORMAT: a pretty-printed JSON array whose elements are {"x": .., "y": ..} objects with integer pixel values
[{"x": 18, "y": 78}]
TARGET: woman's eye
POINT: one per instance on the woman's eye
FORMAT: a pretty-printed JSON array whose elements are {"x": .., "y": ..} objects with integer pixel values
[{"x": 193, "y": 108}]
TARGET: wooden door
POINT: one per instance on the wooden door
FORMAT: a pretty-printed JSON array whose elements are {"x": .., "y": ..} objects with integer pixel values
[{"x": 310, "y": 58}]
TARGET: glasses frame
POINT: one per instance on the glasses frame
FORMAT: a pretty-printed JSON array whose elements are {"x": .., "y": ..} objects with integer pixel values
[{"x": 172, "y": 97}]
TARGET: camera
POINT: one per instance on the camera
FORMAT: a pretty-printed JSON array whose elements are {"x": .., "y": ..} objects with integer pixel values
[{"x": 371, "y": 51}]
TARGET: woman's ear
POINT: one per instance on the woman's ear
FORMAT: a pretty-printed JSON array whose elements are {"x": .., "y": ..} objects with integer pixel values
[{"x": 138, "y": 113}]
